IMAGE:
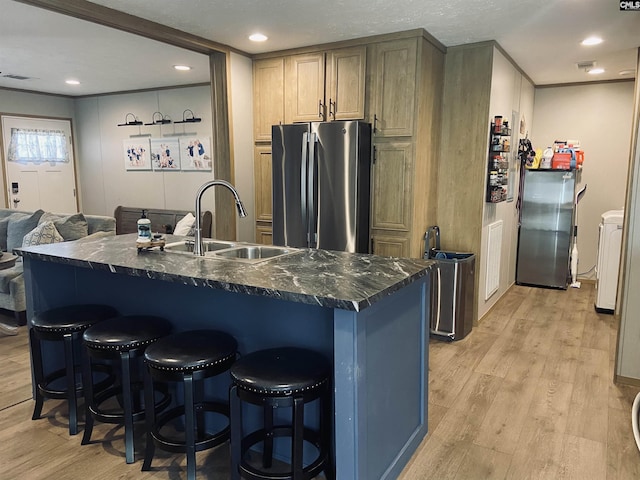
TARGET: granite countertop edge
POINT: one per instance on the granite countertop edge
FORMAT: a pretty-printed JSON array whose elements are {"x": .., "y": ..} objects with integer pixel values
[{"x": 318, "y": 277}]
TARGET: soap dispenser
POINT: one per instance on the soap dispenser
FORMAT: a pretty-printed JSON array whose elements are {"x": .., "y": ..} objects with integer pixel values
[{"x": 144, "y": 228}]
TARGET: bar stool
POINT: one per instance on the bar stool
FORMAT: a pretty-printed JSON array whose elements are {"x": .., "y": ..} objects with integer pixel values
[
  {"x": 63, "y": 324},
  {"x": 276, "y": 378},
  {"x": 187, "y": 358},
  {"x": 121, "y": 340}
]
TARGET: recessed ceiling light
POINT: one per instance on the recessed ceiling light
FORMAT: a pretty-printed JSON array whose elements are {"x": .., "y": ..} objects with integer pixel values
[
  {"x": 591, "y": 41},
  {"x": 182, "y": 68},
  {"x": 595, "y": 71},
  {"x": 72, "y": 82},
  {"x": 258, "y": 37},
  {"x": 628, "y": 71}
]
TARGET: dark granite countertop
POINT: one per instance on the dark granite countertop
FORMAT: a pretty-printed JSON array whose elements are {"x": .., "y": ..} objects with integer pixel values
[{"x": 320, "y": 277}]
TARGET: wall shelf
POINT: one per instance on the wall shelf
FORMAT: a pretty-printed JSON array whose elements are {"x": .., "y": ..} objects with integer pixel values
[{"x": 498, "y": 163}]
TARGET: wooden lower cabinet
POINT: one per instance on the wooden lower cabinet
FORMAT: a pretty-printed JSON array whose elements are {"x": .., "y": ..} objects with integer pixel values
[
  {"x": 264, "y": 235},
  {"x": 262, "y": 182},
  {"x": 392, "y": 189},
  {"x": 387, "y": 244}
]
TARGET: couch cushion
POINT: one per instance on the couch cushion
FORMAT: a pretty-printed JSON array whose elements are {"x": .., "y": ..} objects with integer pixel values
[
  {"x": 4, "y": 223},
  {"x": 9, "y": 274},
  {"x": 43, "y": 234},
  {"x": 19, "y": 225},
  {"x": 184, "y": 226},
  {"x": 71, "y": 227}
]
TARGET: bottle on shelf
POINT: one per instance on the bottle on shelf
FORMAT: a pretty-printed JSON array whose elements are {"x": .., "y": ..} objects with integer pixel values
[{"x": 547, "y": 156}]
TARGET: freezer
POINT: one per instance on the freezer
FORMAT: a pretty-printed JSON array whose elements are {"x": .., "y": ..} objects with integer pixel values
[{"x": 546, "y": 227}]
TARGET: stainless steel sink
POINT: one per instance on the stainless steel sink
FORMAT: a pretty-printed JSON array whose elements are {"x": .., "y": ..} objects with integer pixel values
[
  {"x": 186, "y": 246},
  {"x": 253, "y": 253}
]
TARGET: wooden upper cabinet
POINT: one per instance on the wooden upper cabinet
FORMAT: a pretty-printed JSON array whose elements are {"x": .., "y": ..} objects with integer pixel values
[
  {"x": 393, "y": 95},
  {"x": 268, "y": 96},
  {"x": 304, "y": 87},
  {"x": 346, "y": 71},
  {"x": 326, "y": 86}
]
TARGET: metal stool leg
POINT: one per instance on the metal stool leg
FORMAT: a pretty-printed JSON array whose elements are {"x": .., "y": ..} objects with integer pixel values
[
  {"x": 190, "y": 426},
  {"x": 267, "y": 454},
  {"x": 72, "y": 399},
  {"x": 87, "y": 385},
  {"x": 150, "y": 420},
  {"x": 125, "y": 362},
  {"x": 297, "y": 441},
  {"x": 235, "y": 414},
  {"x": 38, "y": 372}
]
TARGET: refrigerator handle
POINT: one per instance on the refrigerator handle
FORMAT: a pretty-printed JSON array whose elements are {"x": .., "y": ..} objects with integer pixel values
[
  {"x": 303, "y": 180},
  {"x": 311, "y": 184}
]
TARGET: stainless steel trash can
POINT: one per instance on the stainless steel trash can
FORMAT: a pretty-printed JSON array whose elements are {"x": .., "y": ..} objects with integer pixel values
[{"x": 452, "y": 294}]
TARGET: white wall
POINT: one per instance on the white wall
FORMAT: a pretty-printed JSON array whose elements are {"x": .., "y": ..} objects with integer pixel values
[
  {"x": 599, "y": 115},
  {"x": 510, "y": 92},
  {"x": 104, "y": 181},
  {"x": 19, "y": 103},
  {"x": 241, "y": 109}
]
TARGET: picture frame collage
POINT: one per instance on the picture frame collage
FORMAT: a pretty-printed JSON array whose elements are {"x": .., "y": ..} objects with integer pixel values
[{"x": 168, "y": 154}]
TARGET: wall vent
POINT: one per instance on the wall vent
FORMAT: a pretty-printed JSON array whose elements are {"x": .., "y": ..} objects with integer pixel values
[
  {"x": 15, "y": 77},
  {"x": 586, "y": 65}
]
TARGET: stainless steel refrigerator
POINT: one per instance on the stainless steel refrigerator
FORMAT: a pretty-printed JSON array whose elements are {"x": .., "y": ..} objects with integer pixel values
[
  {"x": 546, "y": 228},
  {"x": 321, "y": 185}
]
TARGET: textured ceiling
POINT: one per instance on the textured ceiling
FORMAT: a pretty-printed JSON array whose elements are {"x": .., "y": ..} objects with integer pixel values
[{"x": 542, "y": 36}]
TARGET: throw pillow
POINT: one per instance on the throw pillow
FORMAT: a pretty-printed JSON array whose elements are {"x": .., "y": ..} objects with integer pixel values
[
  {"x": 19, "y": 225},
  {"x": 43, "y": 234},
  {"x": 71, "y": 227},
  {"x": 4, "y": 223},
  {"x": 184, "y": 225}
]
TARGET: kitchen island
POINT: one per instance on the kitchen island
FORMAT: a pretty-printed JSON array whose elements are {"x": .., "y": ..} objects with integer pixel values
[{"x": 368, "y": 314}]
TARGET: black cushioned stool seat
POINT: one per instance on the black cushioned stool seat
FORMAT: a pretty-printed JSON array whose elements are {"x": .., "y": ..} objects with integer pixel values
[
  {"x": 188, "y": 358},
  {"x": 121, "y": 340},
  {"x": 279, "y": 378},
  {"x": 63, "y": 324}
]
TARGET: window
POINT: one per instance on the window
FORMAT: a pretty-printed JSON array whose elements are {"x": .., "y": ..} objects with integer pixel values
[{"x": 38, "y": 146}]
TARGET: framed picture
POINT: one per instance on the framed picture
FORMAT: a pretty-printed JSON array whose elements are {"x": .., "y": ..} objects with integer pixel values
[
  {"x": 165, "y": 154},
  {"x": 136, "y": 154},
  {"x": 195, "y": 154}
]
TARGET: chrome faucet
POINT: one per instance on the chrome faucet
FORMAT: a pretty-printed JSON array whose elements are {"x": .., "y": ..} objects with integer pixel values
[{"x": 198, "y": 247}]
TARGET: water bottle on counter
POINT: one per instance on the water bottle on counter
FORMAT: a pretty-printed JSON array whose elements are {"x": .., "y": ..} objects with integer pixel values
[
  {"x": 144, "y": 228},
  {"x": 547, "y": 155}
]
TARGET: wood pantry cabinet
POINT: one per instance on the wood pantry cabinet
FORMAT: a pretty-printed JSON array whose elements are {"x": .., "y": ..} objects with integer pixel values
[
  {"x": 325, "y": 86},
  {"x": 404, "y": 85},
  {"x": 392, "y": 81}
]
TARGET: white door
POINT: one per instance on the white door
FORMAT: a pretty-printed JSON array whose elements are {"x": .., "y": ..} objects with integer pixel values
[{"x": 39, "y": 164}]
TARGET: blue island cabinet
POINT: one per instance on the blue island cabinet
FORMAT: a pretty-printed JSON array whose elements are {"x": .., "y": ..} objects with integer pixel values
[{"x": 379, "y": 347}]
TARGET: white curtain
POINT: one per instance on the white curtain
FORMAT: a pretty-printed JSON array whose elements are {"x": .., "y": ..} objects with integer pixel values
[{"x": 38, "y": 146}]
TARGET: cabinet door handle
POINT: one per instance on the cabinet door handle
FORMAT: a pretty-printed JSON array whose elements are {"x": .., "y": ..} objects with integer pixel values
[
  {"x": 332, "y": 109},
  {"x": 320, "y": 109},
  {"x": 375, "y": 123}
]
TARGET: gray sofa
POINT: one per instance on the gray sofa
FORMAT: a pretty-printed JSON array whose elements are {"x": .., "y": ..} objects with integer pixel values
[{"x": 12, "y": 233}]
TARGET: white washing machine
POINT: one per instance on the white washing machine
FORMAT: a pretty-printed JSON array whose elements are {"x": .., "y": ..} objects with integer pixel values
[{"x": 609, "y": 246}]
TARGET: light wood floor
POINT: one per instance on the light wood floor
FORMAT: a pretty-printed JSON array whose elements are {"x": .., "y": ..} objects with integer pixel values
[{"x": 528, "y": 394}]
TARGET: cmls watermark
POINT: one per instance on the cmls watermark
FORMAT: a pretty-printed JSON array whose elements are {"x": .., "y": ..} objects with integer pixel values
[{"x": 627, "y": 5}]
